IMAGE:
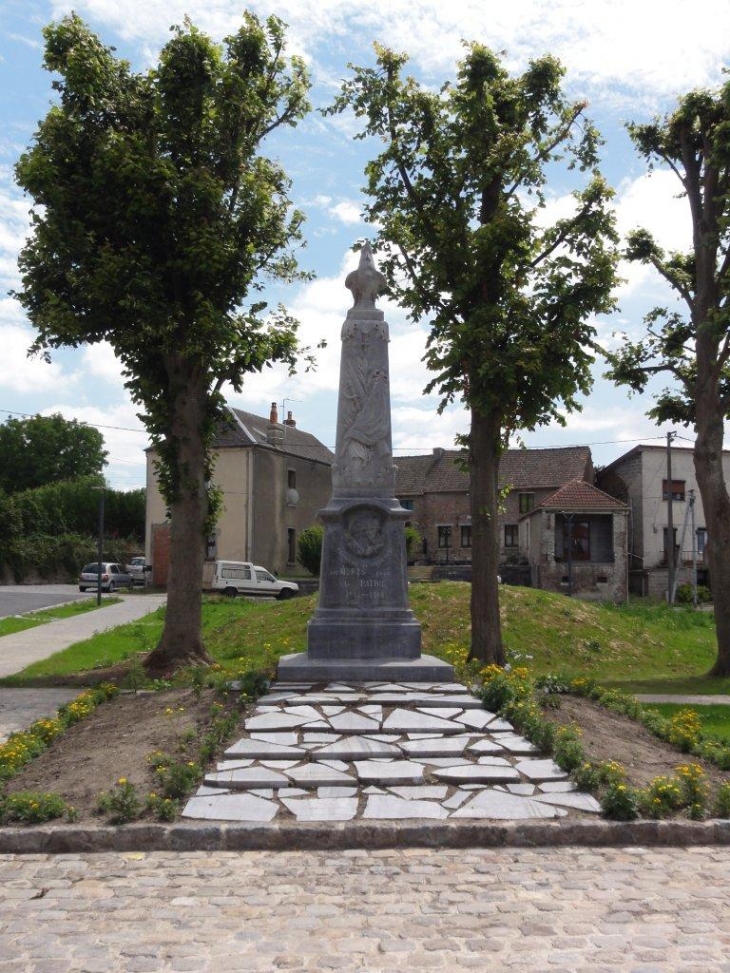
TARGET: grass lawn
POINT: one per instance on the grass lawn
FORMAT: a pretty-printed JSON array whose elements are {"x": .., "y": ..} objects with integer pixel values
[
  {"x": 19, "y": 623},
  {"x": 715, "y": 719},
  {"x": 640, "y": 648}
]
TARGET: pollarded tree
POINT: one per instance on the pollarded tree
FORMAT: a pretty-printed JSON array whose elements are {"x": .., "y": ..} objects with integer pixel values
[
  {"x": 38, "y": 450},
  {"x": 156, "y": 218},
  {"x": 693, "y": 347},
  {"x": 458, "y": 196}
]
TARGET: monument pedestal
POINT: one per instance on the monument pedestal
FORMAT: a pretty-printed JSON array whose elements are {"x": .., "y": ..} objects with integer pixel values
[{"x": 363, "y": 629}]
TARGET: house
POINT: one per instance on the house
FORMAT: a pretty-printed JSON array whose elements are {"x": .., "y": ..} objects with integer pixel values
[
  {"x": 436, "y": 488},
  {"x": 274, "y": 479},
  {"x": 576, "y": 541},
  {"x": 640, "y": 478}
]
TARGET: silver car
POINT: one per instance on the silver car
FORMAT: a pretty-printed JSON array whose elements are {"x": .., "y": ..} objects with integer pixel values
[{"x": 113, "y": 576}]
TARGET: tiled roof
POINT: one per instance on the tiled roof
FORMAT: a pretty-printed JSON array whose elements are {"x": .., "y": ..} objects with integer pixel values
[
  {"x": 537, "y": 469},
  {"x": 247, "y": 429},
  {"x": 579, "y": 495}
]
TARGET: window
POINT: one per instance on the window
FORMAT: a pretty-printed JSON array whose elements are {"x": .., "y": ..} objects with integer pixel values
[
  {"x": 444, "y": 535},
  {"x": 677, "y": 490},
  {"x": 236, "y": 573},
  {"x": 511, "y": 535},
  {"x": 291, "y": 479},
  {"x": 291, "y": 543},
  {"x": 526, "y": 502},
  {"x": 406, "y": 504},
  {"x": 577, "y": 540},
  {"x": 701, "y": 541},
  {"x": 466, "y": 535}
]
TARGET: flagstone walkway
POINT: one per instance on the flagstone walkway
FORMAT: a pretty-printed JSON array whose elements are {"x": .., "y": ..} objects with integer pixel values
[{"x": 382, "y": 752}]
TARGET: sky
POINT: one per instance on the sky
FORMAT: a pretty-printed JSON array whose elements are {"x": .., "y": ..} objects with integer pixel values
[{"x": 630, "y": 59}]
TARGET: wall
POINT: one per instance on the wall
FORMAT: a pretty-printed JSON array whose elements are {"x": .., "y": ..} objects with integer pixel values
[{"x": 591, "y": 580}]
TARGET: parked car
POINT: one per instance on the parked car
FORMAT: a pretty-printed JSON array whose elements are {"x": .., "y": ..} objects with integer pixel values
[
  {"x": 243, "y": 578},
  {"x": 113, "y": 576},
  {"x": 139, "y": 569}
]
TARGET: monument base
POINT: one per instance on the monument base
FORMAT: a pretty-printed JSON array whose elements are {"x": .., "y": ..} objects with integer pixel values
[{"x": 299, "y": 667}]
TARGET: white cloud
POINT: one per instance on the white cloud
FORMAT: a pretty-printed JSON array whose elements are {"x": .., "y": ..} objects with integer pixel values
[
  {"x": 653, "y": 48},
  {"x": 347, "y": 211},
  {"x": 18, "y": 372},
  {"x": 124, "y": 439},
  {"x": 421, "y": 429}
]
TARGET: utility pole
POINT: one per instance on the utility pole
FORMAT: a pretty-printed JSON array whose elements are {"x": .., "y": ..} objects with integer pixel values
[
  {"x": 670, "y": 522},
  {"x": 694, "y": 546}
]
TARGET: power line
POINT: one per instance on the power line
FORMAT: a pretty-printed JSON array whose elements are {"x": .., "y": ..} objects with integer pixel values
[{"x": 81, "y": 422}]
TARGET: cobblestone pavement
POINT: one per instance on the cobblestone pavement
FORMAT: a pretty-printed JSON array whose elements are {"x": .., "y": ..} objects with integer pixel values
[{"x": 543, "y": 911}]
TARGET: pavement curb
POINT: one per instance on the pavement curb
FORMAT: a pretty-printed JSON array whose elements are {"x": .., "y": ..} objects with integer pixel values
[{"x": 366, "y": 835}]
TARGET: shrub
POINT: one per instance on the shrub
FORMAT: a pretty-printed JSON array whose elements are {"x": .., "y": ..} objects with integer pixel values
[
  {"x": 620, "y": 803},
  {"x": 662, "y": 797},
  {"x": 684, "y": 594},
  {"x": 29, "y": 807},
  {"x": 568, "y": 748},
  {"x": 721, "y": 808},
  {"x": 309, "y": 549},
  {"x": 121, "y": 803}
]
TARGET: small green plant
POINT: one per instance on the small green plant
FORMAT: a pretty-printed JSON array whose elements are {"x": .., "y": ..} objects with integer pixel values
[
  {"x": 684, "y": 594},
  {"x": 162, "y": 808},
  {"x": 30, "y": 807},
  {"x": 568, "y": 748},
  {"x": 620, "y": 803},
  {"x": 309, "y": 548},
  {"x": 695, "y": 789},
  {"x": 122, "y": 803},
  {"x": 685, "y": 730},
  {"x": 662, "y": 797},
  {"x": 721, "y": 807},
  {"x": 177, "y": 779}
]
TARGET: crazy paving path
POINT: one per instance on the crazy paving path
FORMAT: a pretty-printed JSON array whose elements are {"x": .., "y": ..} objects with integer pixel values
[{"x": 382, "y": 752}]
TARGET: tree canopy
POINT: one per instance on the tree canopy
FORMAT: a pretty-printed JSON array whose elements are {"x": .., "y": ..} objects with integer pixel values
[
  {"x": 156, "y": 221},
  {"x": 458, "y": 196},
  {"x": 689, "y": 340},
  {"x": 39, "y": 449}
]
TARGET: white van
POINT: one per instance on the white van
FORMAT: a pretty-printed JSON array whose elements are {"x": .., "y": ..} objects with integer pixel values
[{"x": 243, "y": 578}]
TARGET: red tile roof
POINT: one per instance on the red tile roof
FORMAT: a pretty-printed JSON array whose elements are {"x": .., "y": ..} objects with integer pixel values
[
  {"x": 444, "y": 470},
  {"x": 579, "y": 495}
]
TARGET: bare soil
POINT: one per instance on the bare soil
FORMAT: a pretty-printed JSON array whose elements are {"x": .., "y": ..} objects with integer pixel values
[
  {"x": 611, "y": 736},
  {"x": 119, "y": 736},
  {"x": 116, "y": 741}
]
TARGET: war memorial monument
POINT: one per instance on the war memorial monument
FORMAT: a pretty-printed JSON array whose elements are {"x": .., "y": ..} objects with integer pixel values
[{"x": 363, "y": 628}]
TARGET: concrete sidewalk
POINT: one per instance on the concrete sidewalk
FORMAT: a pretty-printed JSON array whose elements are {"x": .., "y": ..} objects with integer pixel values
[{"x": 20, "y": 707}]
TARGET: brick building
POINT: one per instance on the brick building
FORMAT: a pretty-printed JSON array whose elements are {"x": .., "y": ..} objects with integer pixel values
[
  {"x": 436, "y": 488},
  {"x": 576, "y": 541}
]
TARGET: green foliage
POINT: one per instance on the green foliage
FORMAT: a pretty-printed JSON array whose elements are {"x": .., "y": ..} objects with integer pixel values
[
  {"x": 690, "y": 347},
  {"x": 621, "y": 803},
  {"x": 53, "y": 528},
  {"x": 510, "y": 297},
  {"x": 42, "y": 450},
  {"x": 156, "y": 219},
  {"x": 721, "y": 808},
  {"x": 177, "y": 779},
  {"x": 122, "y": 803},
  {"x": 31, "y": 807},
  {"x": 685, "y": 594},
  {"x": 414, "y": 542},
  {"x": 309, "y": 548}
]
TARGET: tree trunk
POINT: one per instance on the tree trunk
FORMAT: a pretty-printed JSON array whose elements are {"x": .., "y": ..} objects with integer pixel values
[
  {"x": 485, "y": 447},
  {"x": 181, "y": 642},
  {"x": 716, "y": 504}
]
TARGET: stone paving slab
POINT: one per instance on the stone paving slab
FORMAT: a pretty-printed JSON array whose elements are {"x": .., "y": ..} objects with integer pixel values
[{"x": 330, "y": 753}]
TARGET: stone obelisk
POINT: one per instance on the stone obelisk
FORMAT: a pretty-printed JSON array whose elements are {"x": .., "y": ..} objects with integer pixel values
[{"x": 363, "y": 628}]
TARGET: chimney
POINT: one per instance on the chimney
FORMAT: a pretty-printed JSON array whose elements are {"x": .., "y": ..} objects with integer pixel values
[
  {"x": 438, "y": 453},
  {"x": 289, "y": 421},
  {"x": 274, "y": 432}
]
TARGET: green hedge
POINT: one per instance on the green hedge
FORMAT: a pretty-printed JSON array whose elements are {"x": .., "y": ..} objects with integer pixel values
[{"x": 57, "y": 557}]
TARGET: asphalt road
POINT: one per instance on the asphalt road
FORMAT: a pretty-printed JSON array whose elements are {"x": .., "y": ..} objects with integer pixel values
[{"x": 16, "y": 599}]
